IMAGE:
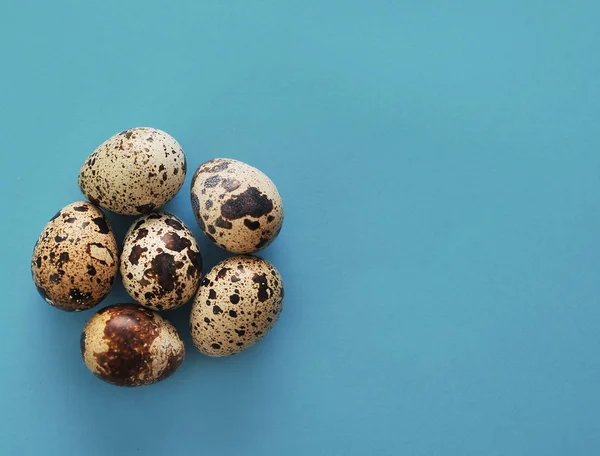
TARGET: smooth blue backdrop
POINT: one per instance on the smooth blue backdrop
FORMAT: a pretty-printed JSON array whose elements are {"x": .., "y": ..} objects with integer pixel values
[{"x": 440, "y": 167}]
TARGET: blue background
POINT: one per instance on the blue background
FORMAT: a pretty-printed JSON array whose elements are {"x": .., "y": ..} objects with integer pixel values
[{"x": 440, "y": 167}]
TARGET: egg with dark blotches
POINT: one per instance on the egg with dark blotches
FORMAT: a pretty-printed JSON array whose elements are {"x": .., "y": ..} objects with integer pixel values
[
  {"x": 134, "y": 172},
  {"x": 127, "y": 345},
  {"x": 75, "y": 260},
  {"x": 237, "y": 206},
  {"x": 161, "y": 264},
  {"x": 238, "y": 302}
]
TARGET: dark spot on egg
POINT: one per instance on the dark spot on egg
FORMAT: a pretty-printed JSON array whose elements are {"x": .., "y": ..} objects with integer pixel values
[
  {"x": 222, "y": 273},
  {"x": 174, "y": 224},
  {"x": 141, "y": 234},
  {"x": 249, "y": 203},
  {"x": 264, "y": 291},
  {"x": 136, "y": 252},
  {"x": 214, "y": 166},
  {"x": 163, "y": 269},
  {"x": 102, "y": 225},
  {"x": 234, "y": 298},
  {"x": 221, "y": 223},
  {"x": 79, "y": 296},
  {"x": 174, "y": 242},
  {"x": 212, "y": 181},
  {"x": 230, "y": 184},
  {"x": 196, "y": 259},
  {"x": 253, "y": 226}
]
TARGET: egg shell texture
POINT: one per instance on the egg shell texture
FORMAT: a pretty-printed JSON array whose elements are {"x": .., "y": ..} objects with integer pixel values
[
  {"x": 237, "y": 206},
  {"x": 75, "y": 260},
  {"x": 127, "y": 345},
  {"x": 238, "y": 302},
  {"x": 161, "y": 264},
  {"x": 134, "y": 172}
]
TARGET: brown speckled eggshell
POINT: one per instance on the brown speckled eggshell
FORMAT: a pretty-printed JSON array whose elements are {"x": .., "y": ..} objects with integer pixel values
[
  {"x": 127, "y": 345},
  {"x": 161, "y": 263},
  {"x": 134, "y": 172},
  {"x": 75, "y": 260},
  {"x": 237, "y": 206},
  {"x": 238, "y": 302}
]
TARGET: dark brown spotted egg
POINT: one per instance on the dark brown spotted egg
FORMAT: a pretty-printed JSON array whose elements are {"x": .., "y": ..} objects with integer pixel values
[
  {"x": 238, "y": 302},
  {"x": 134, "y": 172},
  {"x": 127, "y": 345},
  {"x": 75, "y": 260},
  {"x": 161, "y": 263},
  {"x": 237, "y": 206}
]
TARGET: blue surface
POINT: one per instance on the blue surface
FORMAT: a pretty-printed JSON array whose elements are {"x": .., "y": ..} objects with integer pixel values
[{"x": 440, "y": 167}]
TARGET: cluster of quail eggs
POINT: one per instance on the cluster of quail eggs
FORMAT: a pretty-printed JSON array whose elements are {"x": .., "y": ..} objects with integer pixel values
[{"x": 76, "y": 259}]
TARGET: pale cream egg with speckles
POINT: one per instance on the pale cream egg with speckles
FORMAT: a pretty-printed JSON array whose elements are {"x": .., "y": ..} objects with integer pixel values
[
  {"x": 134, "y": 172},
  {"x": 75, "y": 259},
  {"x": 236, "y": 205},
  {"x": 238, "y": 302},
  {"x": 127, "y": 345},
  {"x": 161, "y": 264}
]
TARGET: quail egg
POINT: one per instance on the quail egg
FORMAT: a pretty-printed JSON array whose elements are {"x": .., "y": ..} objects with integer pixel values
[
  {"x": 161, "y": 263},
  {"x": 75, "y": 260},
  {"x": 238, "y": 302},
  {"x": 237, "y": 206},
  {"x": 134, "y": 172},
  {"x": 127, "y": 345}
]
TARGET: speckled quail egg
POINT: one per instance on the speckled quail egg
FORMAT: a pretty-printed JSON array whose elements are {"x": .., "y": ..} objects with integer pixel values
[
  {"x": 134, "y": 172},
  {"x": 237, "y": 303},
  {"x": 75, "y": 259},
  {"x": 161, "y": 263},
  {"x": 237, "y": 206},
  {"x": 127, "y": 345}
]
